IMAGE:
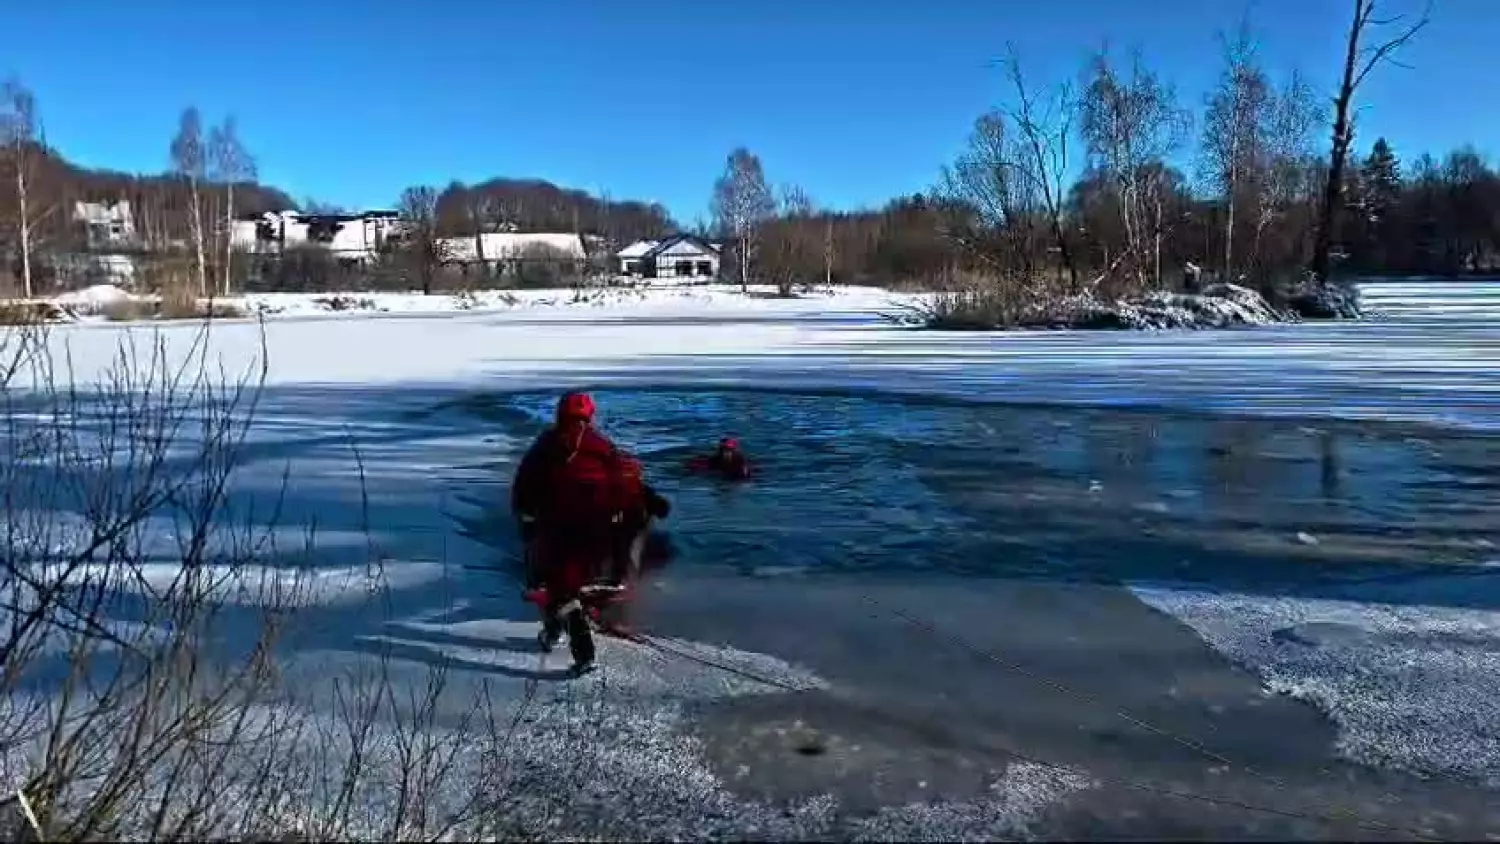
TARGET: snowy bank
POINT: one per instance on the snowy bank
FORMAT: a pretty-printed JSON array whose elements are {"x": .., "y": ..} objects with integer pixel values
[
  {"x": 108, "y": 302},
  {"x": 1433, "y": 356},
  {"x": 1218, "y": 306}
]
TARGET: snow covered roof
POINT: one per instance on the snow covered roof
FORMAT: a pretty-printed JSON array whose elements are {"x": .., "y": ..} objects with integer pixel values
[
  {"x": 505, "y": 245},
  {"x": 674, "y": 245},
  {"x": 637, "y": 249}
]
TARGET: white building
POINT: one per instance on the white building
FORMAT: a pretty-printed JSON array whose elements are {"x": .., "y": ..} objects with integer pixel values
[
  {"x": 357, "y": 237},
  {"x": 631, "y": 257},
  {"x": 511, "y": 248},
  {"x": 679, "y": 256},
  {"x": 108, "y": 224}
]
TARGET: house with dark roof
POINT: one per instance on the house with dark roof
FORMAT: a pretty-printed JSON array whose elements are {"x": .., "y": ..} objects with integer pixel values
[{"x": 681, "y": 256}]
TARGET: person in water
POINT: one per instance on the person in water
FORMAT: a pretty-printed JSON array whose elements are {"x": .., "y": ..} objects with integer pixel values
[
  {"x": 580, "y": 501},
  {"x": 727, "y": 461}
]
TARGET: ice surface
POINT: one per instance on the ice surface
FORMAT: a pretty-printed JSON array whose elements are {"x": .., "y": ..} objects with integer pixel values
[
  {"x": 1408, "y": 686},
  {"x": 1417, "y": 687},
  {"x": 1427, "y": 365}
]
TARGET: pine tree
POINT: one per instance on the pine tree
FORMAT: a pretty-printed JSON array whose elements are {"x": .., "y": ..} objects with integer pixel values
[
  {"x": 1381, "y": 177},
  {"x": 1379, "y": 197}
]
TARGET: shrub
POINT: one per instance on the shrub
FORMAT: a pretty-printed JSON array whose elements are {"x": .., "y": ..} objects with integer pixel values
[
  {"x": 988, "y": 305},
  {"x": 140, "y": 698},
  {"x": 178, "y": 301},
  {"x": 128, "y": 310},
  {"x": 974, "y": 302},
  {"x": 341, "y": 302}
]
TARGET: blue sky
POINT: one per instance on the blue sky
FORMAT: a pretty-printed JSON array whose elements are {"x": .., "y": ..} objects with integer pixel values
[{"x": 855, "y": 100}]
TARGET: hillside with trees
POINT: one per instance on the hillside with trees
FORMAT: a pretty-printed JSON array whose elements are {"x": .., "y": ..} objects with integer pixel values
[{"x": 534, "y": 205}]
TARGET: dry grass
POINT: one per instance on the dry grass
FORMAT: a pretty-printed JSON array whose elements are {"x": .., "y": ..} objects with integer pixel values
[
  {"x": 178, "y": 725},
  {"x": 966, "y": 301},
  {"x": 136, "y": 310},
  {"x": 22, "y": 312},
  {"x": 127, "y": 310}
]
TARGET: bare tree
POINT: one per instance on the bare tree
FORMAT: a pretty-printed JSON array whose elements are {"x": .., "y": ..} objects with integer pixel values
[
  {"x": 418, "y": 208},
  {"x": 795, "y": 201},
  {"x": 18, "y": 131},
  {"x": 1130, "y": 126},
  {"x": 1291, "y": 117},
  {"x": 232, "y": 164},
  {"x": 1044, "y": 131},
  {"x": 994, "y": 216},
  {"x": 1233, "y": 131},
  {"x": 828, "y": 250},
  {"x": 190, "y": 160},
  {"x": 1360, "y": 59},
  {"x": 741, "y": 203},
  {"x": 790, "y": 241},
  {"x": 1006, "y": 193}
]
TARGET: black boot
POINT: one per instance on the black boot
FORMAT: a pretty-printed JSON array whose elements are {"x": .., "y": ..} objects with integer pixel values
[
  {"x": 580, "y": 641},
  {"x": 551, "y": 632}
]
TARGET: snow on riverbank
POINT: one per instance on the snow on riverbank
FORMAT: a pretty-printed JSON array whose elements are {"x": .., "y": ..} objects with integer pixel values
[{"x": 93, "y": 304}]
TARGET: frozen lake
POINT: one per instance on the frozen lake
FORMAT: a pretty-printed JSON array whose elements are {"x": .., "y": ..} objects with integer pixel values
[{"x": 1052, "y": 585}]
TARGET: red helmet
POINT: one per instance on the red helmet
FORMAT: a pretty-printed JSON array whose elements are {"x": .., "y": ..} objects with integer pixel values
[
  {"x": 729, "y": 444},
  {"x": 575, "y": 406}
]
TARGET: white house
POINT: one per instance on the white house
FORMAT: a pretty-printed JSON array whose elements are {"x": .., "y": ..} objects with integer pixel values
[
  {"x": 109, "y": 224},
  {"x": 679, "y": 256},
  {"x": 356, "y": 237},
  {"x": 631, "y": 256},
  {"x": 512, "y": 247}
]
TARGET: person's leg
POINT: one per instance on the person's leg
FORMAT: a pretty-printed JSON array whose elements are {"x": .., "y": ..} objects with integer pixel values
[
  {"x": 552, "y": 622},
  {"x": 569, "y": 572},
  {"x": 531, "y": 564},
  {"x": 625, "y": 551},
  {"x": 580, "y": 639},
  {"x": 540, "y": 561}
]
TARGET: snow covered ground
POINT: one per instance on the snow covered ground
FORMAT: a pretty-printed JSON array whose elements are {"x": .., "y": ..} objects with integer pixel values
[
  {"x": 1430, "y": 358},
  {"x": 371, "y": 378},
  {"x": 90, "y": 304}
]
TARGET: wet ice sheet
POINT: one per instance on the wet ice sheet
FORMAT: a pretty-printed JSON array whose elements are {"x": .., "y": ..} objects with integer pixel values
[{"x": 1411, "y": 686}]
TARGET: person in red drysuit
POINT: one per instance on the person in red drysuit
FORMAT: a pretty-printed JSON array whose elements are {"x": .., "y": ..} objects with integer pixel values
[
  {"x": 572, "y": 494},
  {"x": 727, "y": 460}
]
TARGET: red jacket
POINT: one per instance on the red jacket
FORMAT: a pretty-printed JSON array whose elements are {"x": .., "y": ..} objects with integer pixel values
[
  {"x": 732, "y": 465},
  {"x": 573, "y": 478}
]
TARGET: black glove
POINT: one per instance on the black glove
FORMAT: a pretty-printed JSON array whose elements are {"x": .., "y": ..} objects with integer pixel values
[{"x": 656, "y": 505}]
